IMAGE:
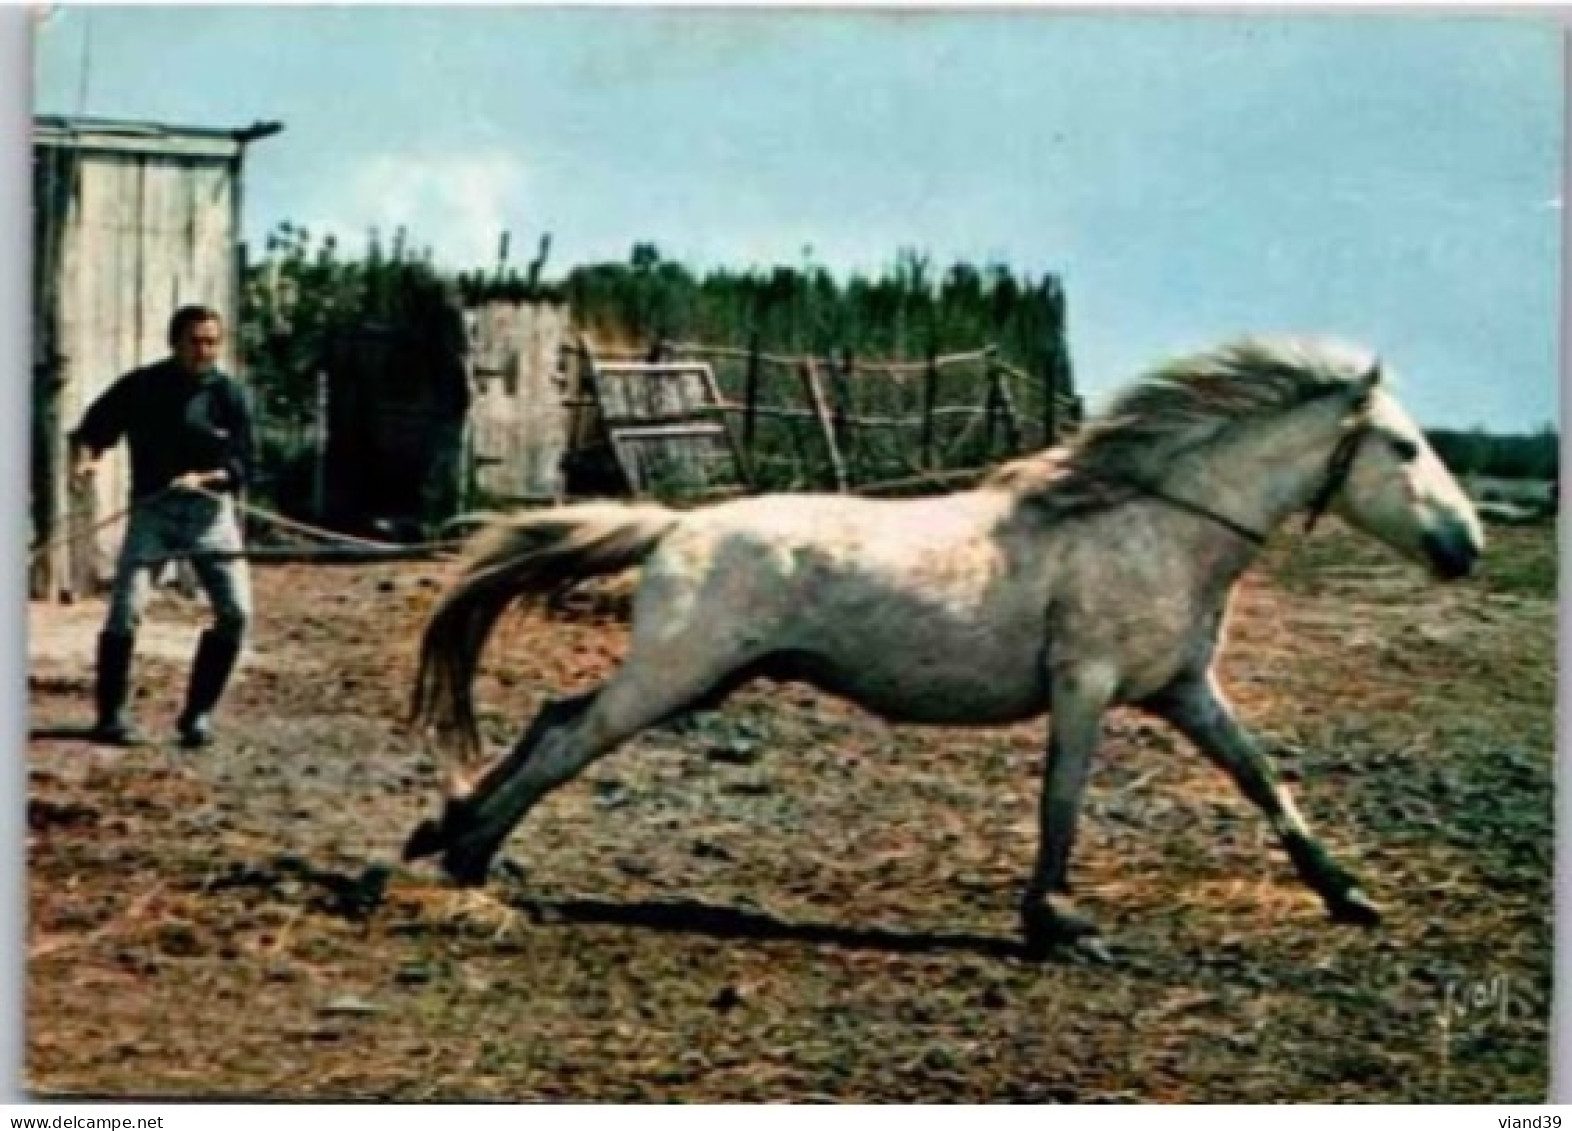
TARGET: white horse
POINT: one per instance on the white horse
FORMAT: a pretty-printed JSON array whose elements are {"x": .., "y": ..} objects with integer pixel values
[{"x": 1089, "y": 576}]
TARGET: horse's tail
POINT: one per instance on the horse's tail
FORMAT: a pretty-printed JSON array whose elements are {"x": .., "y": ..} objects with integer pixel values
[{"x": 513, "y": 558}]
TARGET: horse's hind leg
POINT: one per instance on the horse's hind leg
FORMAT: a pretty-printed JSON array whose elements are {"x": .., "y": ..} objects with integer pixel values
[
  {"x": 646, "y": 690},
  {"x": 1199, "y": 711},
  {"x": 433, "y": 836}
]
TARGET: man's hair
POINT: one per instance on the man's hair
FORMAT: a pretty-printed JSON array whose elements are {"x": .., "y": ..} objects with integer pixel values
[{"x": 188, "y": 316}]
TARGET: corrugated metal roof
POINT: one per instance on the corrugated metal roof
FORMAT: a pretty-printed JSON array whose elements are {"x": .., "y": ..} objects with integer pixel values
[{"x": 111, "y": 135}]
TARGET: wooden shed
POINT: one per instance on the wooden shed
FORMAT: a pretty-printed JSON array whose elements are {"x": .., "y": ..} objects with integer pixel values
[
  {"x": 451, "y": 408},
  {"x": 518, "y": 425},
  {"x": 131, "y": 220}
]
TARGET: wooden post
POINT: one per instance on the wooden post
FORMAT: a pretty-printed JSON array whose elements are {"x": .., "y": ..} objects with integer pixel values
[
  {"x": 50, "y": 478},
  {"x": 930, "y": 395},
  {"x": 750, "y": 398},
  {"x": 990, "y": 408},
  {"x": 845, "y": 412},
  {"x": 805, "y": 461},
  {"x": 588, "y": 425},
  {"x": 821, "y": 412},
  {"x": 319, "y": 465},
  {"x": 54, "y": 272},
  {"x": 1000, "y": 380},
  {"x": 713, "y": 395}
]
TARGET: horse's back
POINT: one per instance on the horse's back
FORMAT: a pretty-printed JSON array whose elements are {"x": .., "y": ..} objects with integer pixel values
[
  {"x": 858, "y": 526},
  {"x": 918, "y": 609}
]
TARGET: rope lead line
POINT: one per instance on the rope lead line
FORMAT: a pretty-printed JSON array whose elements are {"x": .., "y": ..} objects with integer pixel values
[{"x": 345, "y": 547}]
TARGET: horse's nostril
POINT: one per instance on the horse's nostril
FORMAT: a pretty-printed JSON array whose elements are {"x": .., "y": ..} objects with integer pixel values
[
  {"x": 1472, "y": 552},
  {"x": 1452, "y": 558}
]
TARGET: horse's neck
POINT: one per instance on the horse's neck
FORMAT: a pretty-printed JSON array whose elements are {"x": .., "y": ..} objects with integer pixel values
[{"x": 1261, "y": 479}]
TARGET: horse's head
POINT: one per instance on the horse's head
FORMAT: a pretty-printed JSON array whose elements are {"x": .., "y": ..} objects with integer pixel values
[{"x": 1384, "y": 478}]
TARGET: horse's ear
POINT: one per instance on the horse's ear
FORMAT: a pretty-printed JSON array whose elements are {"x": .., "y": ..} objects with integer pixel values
[{"x": 1366, "y": 383}]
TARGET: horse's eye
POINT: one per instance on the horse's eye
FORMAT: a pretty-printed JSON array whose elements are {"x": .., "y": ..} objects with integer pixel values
[{"x": 1404, "y": 448}]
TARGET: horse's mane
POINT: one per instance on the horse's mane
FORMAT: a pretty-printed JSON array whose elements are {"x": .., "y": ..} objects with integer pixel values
[{"x": 1183, "y": 406}]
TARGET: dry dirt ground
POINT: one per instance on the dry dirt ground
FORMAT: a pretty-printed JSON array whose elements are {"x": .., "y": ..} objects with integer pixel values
[{"x": 791, "y": 900}]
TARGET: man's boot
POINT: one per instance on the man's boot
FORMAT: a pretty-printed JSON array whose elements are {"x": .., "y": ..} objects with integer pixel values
[
  {"x": 210, "y": 671},
  {"x": 111, "y": 689}
]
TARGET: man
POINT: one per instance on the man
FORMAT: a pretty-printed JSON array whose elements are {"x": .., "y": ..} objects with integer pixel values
[{"x": 189, "y": 431}]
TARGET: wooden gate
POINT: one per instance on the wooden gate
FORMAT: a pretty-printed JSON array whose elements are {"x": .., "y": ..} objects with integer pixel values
[{"x": 657, "y": 426}]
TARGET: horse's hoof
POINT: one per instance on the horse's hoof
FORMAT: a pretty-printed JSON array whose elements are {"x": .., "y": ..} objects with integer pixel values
[
  {"x": 434, "y": 834},
  {"x": 1354, "y": 906},
  {"x": 468, "y": 867},
  {"x": 426, "y": 840}
]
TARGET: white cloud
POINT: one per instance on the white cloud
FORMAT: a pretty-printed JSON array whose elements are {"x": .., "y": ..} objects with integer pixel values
[{"x": 457, "y": 204}]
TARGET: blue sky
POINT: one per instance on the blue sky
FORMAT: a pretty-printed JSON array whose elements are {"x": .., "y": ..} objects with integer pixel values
[{"x": 1393, "y": 180}]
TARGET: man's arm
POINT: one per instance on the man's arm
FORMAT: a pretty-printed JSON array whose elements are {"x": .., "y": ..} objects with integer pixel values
[
  {"x": 102, "y": 426},
  {"x": 242, "y": 442},
  {"x": 235, "y": 471}
]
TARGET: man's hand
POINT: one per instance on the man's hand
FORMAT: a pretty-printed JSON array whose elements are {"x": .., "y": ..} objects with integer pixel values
[
  {"x": 83, "y": 471},
  {"x": 196, "y": 480}
]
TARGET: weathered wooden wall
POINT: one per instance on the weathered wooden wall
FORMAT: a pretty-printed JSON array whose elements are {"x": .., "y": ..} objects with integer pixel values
[
  {"x": 518, "y": 426},
  {"x": 402, "y": 446}
]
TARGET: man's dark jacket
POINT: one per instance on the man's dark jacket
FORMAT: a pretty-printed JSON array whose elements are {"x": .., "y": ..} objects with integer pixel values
[{"x": 174, "y": 422}]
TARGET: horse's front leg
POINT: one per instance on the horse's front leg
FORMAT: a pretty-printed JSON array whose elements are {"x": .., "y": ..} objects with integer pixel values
[
  {"x": 1079, "y": 699},
  {"x": 1197, "y": 709}
]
